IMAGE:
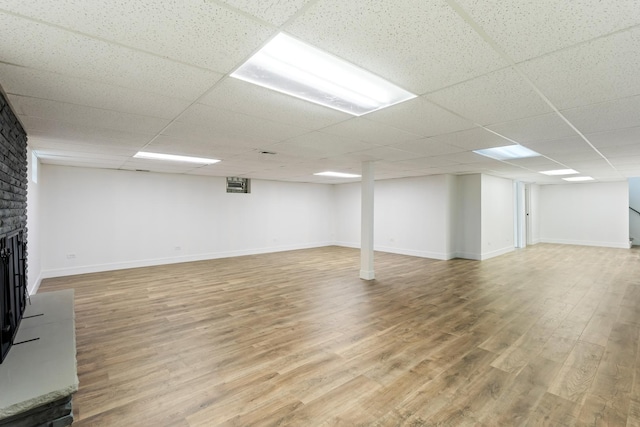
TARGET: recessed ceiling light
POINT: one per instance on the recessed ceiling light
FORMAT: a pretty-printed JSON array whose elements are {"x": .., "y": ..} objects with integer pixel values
[
  {"x": 175, "y": 158},
  {"x": 578, "y": 178},
  {"x": 337, "y": 174},
  {"x": 507, "y": 152},
  {"x": 290, "y": 66},
  {"x": 559, "y": 172}
]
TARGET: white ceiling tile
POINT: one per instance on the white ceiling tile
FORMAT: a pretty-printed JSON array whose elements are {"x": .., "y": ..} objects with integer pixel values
[
  {"x": 631, "y": 172},
  {"x": 526, "y": 29},
  {"x": 424, "y": 162},
  {"x": 538, "y": 128},
  {"x": 211, "y": 136},
  {"x": 615, "y": 114},
  {"x": 626, "y": 136},
  {"x": 276, "y": 12},
  {"x": 226, "y": 168},
  {"x": 630, "y": 160},
  {"x": 350, "y": 163},
  {"x": 428, "y": 147},
  {"x": 73, "y": 133},
  {"x": 35, "y": 45},
  {"x": 44, "y": 153},
  {"x": 74, "y": 160},
  {"x": 562, "y": 145},
  {"x": 195, "y": 147},
  {"x": 319, "y": 145},
  {"x": 80, "y": 149},
  {"x": 229, "y": 122},
  {"x": 42, "y": 84},
  {"x": 496, "y": 97},
  {"x": 80, "y": 161},
  {"x": 74, "y": 114},
  {"x": 472, "y": 139},
  {"x": 601, "y": 70},
  {"x": 246, "y": 98},
  {"x": 536, "y": 163},
  {"x": 179, "y": 30},
  {"x": 365, "y": 130},
  {"x": 583, "y": 166},
  {"x": 419, "y": 116},
  {"x": 466, "y": 157},
  {"x": 266, "y": 160},
  {"x": 570, "y": 158},
  {"x": 158, "y": 166},
  {"x": 611, "y": 152},
  {"x": 466, "y": 168},
  {"x": 421, "y": 46},
  {"x": 386, "y": 153}
]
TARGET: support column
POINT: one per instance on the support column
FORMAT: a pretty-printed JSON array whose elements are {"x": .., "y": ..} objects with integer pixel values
[{"x": 366, "y": 222}]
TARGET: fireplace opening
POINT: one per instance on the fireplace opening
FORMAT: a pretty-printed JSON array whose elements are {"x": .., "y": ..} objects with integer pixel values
[{"x": 13, "y": 288}]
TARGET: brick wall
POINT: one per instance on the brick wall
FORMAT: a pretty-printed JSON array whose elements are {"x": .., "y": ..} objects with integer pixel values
[{"x": 13, "y": 171}]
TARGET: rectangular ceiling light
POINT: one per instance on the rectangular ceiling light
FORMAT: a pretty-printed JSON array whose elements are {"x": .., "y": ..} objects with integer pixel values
[
  {"x": 290, "y": 66},
  {"x": 507, "y": 152},
  {"x": 175, "y": 158},
  {"x": 578, "y": 178},
  {"x": 337, "y": 174},
  {"x": 557, "y": 172}
]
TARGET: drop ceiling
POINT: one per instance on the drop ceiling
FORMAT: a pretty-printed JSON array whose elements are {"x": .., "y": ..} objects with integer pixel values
[{"x": 94, "y": 82}]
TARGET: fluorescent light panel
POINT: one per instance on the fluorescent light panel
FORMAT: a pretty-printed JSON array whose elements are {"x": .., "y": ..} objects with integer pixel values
[
  {"x": 337, "y": 174},
  {"x": 557, "y": 172},
  {"x": 578, "y": 178},
  {"x": 175, "y": 158},
  {"x": 290, "y": 66},
  {"x": 507, "y": 152}
]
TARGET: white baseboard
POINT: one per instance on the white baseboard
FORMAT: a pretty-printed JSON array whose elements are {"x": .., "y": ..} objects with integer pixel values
[
  {"x": 469, "y": 255},
  {"x": 619, "y": 245},
  {"x": 97, "y": 268},
  {"x": 31, "y": 290},
  {"x": 497, "y": 252}
]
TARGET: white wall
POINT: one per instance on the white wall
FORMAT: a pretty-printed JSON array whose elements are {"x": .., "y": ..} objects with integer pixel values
[
  {"x": 97, "y": 219},
  {"x": 634, "y": 202},
  {"x": 468, "y": 219},
  {"x": 497, "y": 200},
  {"x": 347, "y": 214},
  {"x": 595, "y": 214},
  {"x": 34, "y": 233},
  {"x": 412, "y": 216}
]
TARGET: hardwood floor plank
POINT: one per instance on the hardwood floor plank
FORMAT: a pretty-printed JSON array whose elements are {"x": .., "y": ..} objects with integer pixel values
[
  {"x": 577, "y": 373},
  {"x": 544, "y": 336}
]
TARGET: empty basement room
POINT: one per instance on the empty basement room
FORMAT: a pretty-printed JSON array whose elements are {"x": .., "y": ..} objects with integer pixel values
[{"x": 321, "y": 212}]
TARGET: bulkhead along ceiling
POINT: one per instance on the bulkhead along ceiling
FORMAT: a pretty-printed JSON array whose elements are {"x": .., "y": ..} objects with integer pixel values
[{"x": 96, "y": 81}]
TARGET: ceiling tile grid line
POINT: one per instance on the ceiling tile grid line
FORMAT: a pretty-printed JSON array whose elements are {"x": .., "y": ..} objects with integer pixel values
[{"x": 503, "y": 53}]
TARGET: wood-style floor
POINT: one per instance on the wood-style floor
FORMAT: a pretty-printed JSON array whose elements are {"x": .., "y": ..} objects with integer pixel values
[{"x": 547, "y": 335}]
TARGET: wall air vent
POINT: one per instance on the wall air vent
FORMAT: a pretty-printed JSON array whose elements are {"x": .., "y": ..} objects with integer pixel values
[{"x": 238, "y": 185}]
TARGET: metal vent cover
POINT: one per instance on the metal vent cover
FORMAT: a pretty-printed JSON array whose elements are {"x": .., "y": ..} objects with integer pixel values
[{"x": 238, "y": 185}]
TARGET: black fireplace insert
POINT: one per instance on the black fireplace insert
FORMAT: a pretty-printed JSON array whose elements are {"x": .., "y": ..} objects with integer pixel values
[{"x": 13, "y": 288}]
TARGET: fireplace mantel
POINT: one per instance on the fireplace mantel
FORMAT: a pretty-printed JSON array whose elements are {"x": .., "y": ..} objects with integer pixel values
[{"x": 39, "y": 374}]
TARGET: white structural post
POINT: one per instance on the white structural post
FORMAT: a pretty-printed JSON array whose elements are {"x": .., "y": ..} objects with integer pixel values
[{"x": 366, "y": 223}]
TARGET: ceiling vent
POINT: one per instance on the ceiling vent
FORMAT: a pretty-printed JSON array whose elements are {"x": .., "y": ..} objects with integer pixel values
[{"x": 238, "y": 185}]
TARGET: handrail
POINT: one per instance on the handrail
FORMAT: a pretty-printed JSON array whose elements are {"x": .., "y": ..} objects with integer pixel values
[{"x": 634, "y": 210}]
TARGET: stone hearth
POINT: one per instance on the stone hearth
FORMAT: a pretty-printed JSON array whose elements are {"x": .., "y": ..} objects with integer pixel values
[{"x": 39, "y": 375}]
